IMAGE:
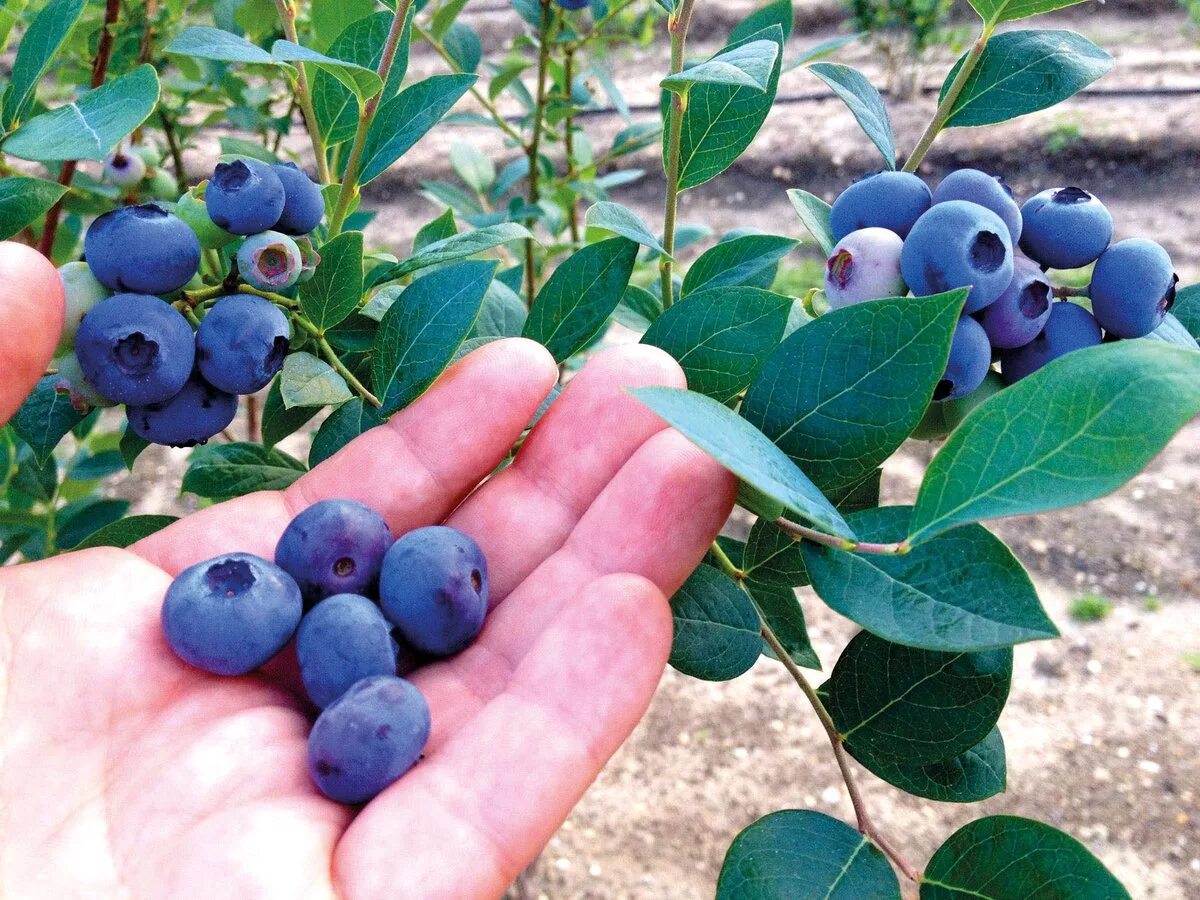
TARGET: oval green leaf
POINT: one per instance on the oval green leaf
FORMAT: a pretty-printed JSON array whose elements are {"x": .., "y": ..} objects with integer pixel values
[
  {"x": 716, "y": 628},
  {"x": 24, "y": 200},
  {"x": 336, "y": 288},
  {"x": 737, "y": 261},
  {"x": 814, "y": 214},
  {"x": 406, "y": 118},
  {"x": 38, "y": 48},
  {"x": 742, "y": 65},
  {"x": 780, "y": 608},
  {"x": 126, "y": 532},
  {"x": 864, "y": 102},
  {"x": 995, "y": 11},
  {"x": 342, "y": 426},
  {"x": 364, "y": 82},
  {"x": 624, "y": 222},
  {"x": 221, "y": 471},
  {"x": 308, "y": 381},
  {"x": 973, "y": 775}
]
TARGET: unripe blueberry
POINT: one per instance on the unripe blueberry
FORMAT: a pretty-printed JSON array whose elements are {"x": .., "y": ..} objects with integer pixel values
[
  {"x": 959, "y": 244},
  {"x": 245, "y": 196},
  {"x": 303, "y": 206},
  {"x": 151, "y": 154},
  {"x": 82, "y": 292},
  {"x": 1019, "y": 314},
  {"x": 124, "y": 169},
  {"x": 196, "y": 413},
  {"x": 341, "y": 640},
  {"x": 954, "y": 411},
  {"x": 141, "y": 249},
  {"x": 269, "y": 261},
  {"x": 309, "y": 259},
  {"x": 334, "y": 547},
  {"x": 135, "y": 348},
  {"x": 71, "y": 380},
  {"x": 162, "y": 185},
  {"x": 1065, "y": 228},
  {"x": 241, "y": 343},
  {"x": 989, "y": 191},
  {"x": 193, "y": 211},
  {"x": 969, "y": 362},
  {"x": 865, "y": 265},
  {"x": 1133, "y": 288},
  {"x": 891, "y": 200},
  {"x": 1070, "y": 327}
]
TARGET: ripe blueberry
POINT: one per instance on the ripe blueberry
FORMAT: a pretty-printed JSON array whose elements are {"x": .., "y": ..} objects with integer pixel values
[
  {"x": 244, "y": 196},
  {"x": 434, "y": 588},
  {"x": 241, "y": 343},
  {"x": 134, "y": 348},
  {"x": 341, "y": 640},
  {"x": 989, "y": 191},
  {"x": 82, "y": 292},
  {"x": 71, "y": 380},
  {"x": 191, "y": 417},
  {"x": 1019, "y": 314},
  {"x": 958, "y": 244},
  {"x": 124, "y": 169},
  {"x": 574, "y": 4},
  {"x": 1133, "y": 288},
  {"x": 1065, "y": 228},
  {"x": 192, "y": 209},
  {"x": 334, "y": 547},
  {"x": 303, "y": 205},
  {"x": 142, "y": 249},
  {"x": 269, "y": 261},
  {"x": 865, "y": 265},
  {"x": 231, "y": 614},
  {"x": 1070, "y": 327},
  {"x": 970, "y": 359},
  {"x": 368, "y": 738},
  {"x": 891, "y": 200}
]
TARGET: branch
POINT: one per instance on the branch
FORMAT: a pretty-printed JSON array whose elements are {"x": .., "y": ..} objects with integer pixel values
[
  {"x": 803, "y": 532},
  {"x": 534, "y": 148},
  {"x": 287, "y": 16}
]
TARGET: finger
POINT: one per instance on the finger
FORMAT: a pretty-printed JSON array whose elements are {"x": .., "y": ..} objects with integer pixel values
[
  {"x": 415, "y": 469},
  {"x": 588, "y": 434},
  {"x": 31, "y": 320},
  {"x": 499, "y": 789}
]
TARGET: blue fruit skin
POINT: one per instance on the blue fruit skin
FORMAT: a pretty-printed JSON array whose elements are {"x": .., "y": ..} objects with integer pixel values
[
  {"x": 891, "y": 200},
  {"x": 191, "y": 417},
  {"x": 303, "y": 205},
  {"x": 244, "y": 197},
  {"x": 342, "y": 640},
  {"x": 1070, "y": 327},
  {"x": 969, "y": 362},
  {"x": 574, "y": 4},
  {"x": 241, "y": 343},
  {"x": 368, "y": 738},
  {"x": 434, "y": 587},
  {"x": 988, "y": 191},
  {"x": 1065, "y": 228},
  {"x": 135, "y": 349},
  {"x": 231, "y": 614},
  {"x": 1133, "y": 288},
  {"x": 1020, "y": 313},
  {"x": 141, "y": 250},
  {"x": 958, "y": 244},
  {"x": 334, "y": 547}
]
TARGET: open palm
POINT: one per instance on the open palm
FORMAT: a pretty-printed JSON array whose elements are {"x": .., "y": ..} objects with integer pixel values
[{"x": 125, "y": 773}]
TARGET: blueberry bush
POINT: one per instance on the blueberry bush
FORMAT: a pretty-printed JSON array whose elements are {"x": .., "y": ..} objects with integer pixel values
[{"x": 250, "y": 299}]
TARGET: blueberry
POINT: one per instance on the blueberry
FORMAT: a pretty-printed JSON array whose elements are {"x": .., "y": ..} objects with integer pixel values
[
  {"x": 434, "y": 587},
  {"x": 269, "y": 261},
  {"x": 241, "y": 343},
  {"x": 135, "y": 348},
  {"x": 970, "y": 359},
  {"x": 1065, "y": 228},
  {"x": 244, "y": 196},
  {"x": 191, "y": 417},
  {"x": 149, "y": 153},
  {"x": 1070, "y": 327},
  {"x": 124, "y": 169},
  {"x": 954, "y": 411},
  {"x": 891, "y": 200},
  {"x": 865, "y": 265},
  {"x": 574, "y": 4},
  {"x": 231, "y": 614},
  {"x": 303, "y": 205},
  {"x": 989, "y": 191},
  {"x": 193, "y": 211},
  {"x": 959, "y": 244},
  {"x": 341, "y": 640},
  {"x": 1019, "y": 314},
  {"x": 70, "y": 380},
  {"x": 334, "y": 547},
  {"x": 1133, "y": 288},
  {"x": 82, "y": 292},
  {"x": 368, "y": 738},
  {"x": 142, "y": 249}
]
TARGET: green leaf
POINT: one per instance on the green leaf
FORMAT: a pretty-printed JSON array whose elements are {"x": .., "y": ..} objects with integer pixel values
[
  {"x": 864, "y": 101},
  {"x": 721, "y": 336},
  {"x": 131, "y": 447},
  {"x": 330, "y": 18},
  {"x": 37, "y": 50},
  {"x": 456, "y": 246},
  {"x": 423, "y": 328},
  {"x": 973, "y": 775},
  {"x": 406, "y": 118},
  {"x": 716, "y": 627},
  {"x": 45, "y": 418},
  {"x": 996, "y": 11},
  {"x": 363, "y": 82},
  {"x": 91, "y": 126},
  {"x": 502, "y": 314},
  {"x": 814, "y": 214},
  {"x": 841, "y": 394},
  {"x": 778, "y": 13},
  {"x": 624, "y": 222},
  {"x": 24, "y": 200},
  {"x": 93, "y": 466},
  {"x": 780, "y": 609},
  {"x": 576, "y": 301},
  {"x": 436, "y": 230},
  {"x": 962, "y": 590},
  {"x": 335, "y": 106},
  {"x": 1008, "y": 858},
  {"x": 235, "y": 146},
  {"x": 736, "y": 261},
  {"x": 1187, "y": 309},
  {"x": 773, "y": 556},
  {"x": 464, "y": 47},
  {"x": 87, "y": 519},
  {"x": 1023, "y": 71},
  {"x": 638, "y": 308},
  {"x": 344, "y": 424},
  {"x": 1173, "y": 331},
  {"x": 336, "y": 288},
  {"x": 745, "y": 65},
  {"x": 799, "y": 854},
  {"x": 126, "y": 532},
  {"x": 35, "y": 480},
  {"x": 308, "y": 381},
  {"x": 1072, "y": 431},
  {"x": 745, "y": 451},
  {"x": 278, "y": 422},
  {"x": 221, "y": 471},
  {"x": 202, "y": 42},
  {"x": 473, "y": 166},
  {"x": 915, "y": 706}
]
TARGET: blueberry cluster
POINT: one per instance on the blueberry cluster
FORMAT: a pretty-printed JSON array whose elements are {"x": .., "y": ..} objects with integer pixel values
[
  {"x": 364, "y": 610},
  {"x": 895, "y": 235},
  {"x": 125, "y": 341}
]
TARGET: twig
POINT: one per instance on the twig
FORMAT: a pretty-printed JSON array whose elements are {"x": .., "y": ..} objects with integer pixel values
[
  {"x": 802, "y": 532},
  {"x": 332, "y": 358},
  {"x": 569, "y": 136},
  {"x": 287, "y": 16},
  {"x": 168, "y": 128},
  {"x": 678, "y": 27},
  {"x": 534, "y": 148}
]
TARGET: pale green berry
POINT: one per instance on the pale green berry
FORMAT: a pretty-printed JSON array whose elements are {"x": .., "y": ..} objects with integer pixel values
[{"x": 82, "y": 292}]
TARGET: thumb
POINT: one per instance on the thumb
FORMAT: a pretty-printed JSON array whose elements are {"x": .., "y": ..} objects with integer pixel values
[{"x": 31, "y": 320}]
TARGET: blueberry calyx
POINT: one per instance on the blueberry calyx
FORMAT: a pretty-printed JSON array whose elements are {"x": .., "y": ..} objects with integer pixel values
[
  {"x": 988, "y": 252},
  {"x": 229, "y": 577},
  {"x": 840, "y": 267},
  {"x": 1035, "y": 299},
  {"x": 1071, "y": 196},
  {"x": 136, "y": 354}
]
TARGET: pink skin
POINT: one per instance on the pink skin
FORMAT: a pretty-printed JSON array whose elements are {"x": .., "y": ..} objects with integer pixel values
[
  {"x": 865, "y": 265},
  {"x": 128, "y": 773}
]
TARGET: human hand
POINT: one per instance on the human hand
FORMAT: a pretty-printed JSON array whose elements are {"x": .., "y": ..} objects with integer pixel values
[
  {"x": 123, "y": 772},
  {"x": 31, "y": 320}
]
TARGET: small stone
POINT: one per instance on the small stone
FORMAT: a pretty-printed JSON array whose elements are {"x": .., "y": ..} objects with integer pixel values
[
  {"x": 830, "y": 796},
  {"x": 1094, "y": 667},
  {"x": 1149, "y": 766}
]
